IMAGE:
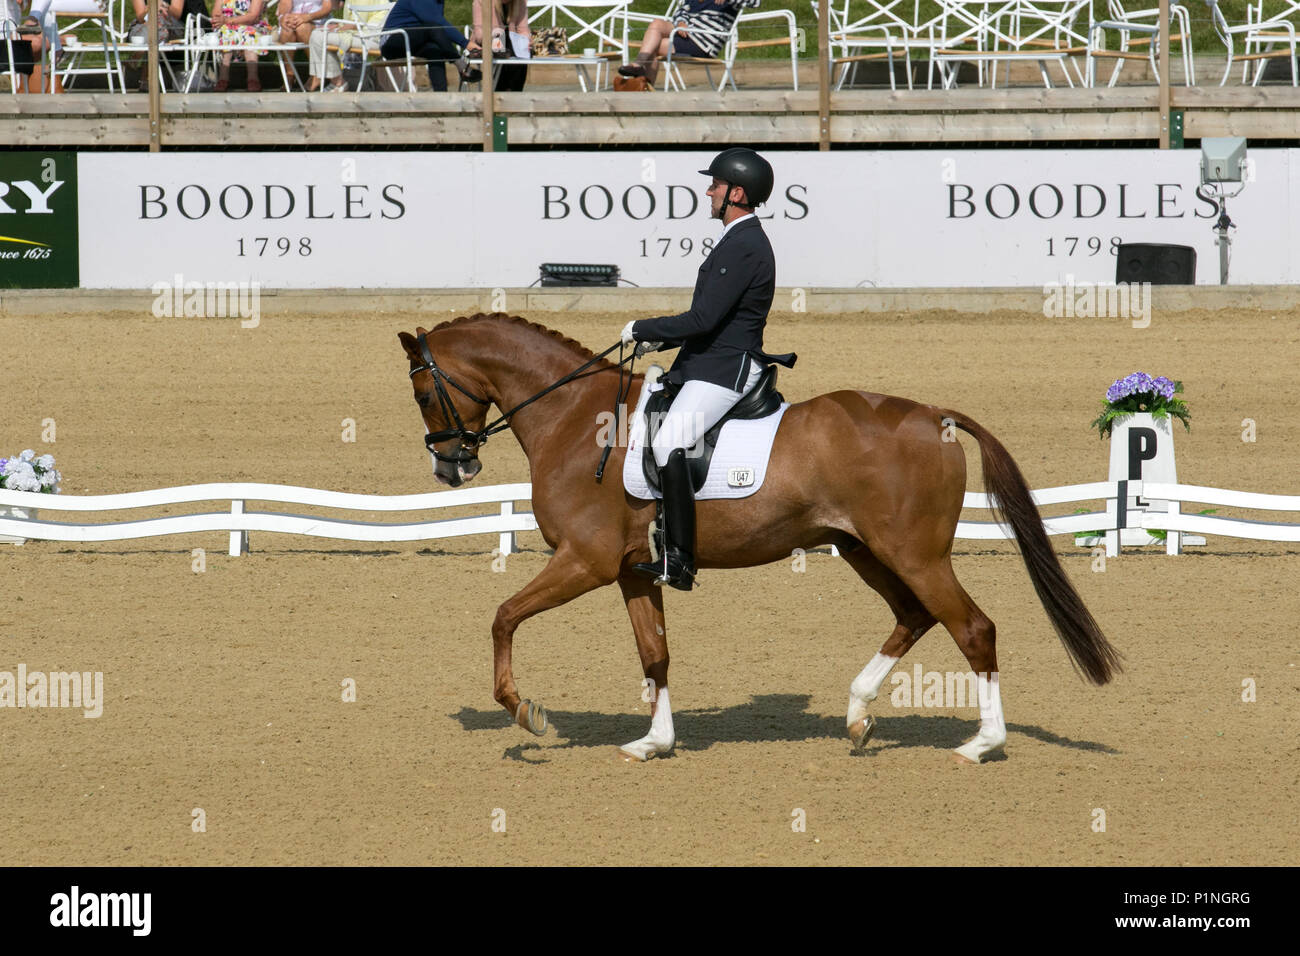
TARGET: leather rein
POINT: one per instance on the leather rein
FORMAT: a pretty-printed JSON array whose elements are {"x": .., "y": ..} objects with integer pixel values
[{"x": 470, "y": 440}]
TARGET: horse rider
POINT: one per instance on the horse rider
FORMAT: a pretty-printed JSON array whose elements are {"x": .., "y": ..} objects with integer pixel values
[{"x": 721, "y": 353}]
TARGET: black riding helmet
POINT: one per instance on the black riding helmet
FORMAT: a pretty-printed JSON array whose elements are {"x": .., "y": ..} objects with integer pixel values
[{"x": 742, "y": 167}]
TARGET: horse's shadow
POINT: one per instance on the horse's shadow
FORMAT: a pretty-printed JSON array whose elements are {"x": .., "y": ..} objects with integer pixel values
[{"x": 765, "y": 718}]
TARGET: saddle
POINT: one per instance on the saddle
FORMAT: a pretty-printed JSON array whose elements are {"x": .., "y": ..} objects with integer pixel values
[{"x": 759, "y": 402}]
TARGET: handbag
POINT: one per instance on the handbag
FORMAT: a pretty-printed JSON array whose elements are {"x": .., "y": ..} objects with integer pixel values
[
  {"x": 197, "y": 79},
  {"x": 551, "y": 41}
]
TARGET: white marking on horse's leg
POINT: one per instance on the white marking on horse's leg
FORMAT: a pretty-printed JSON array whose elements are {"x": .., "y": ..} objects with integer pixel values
[
  {"x": 866, "y": 685},
  {"x": 993, "y": 726},
  {"x": 661, "y": 738}
]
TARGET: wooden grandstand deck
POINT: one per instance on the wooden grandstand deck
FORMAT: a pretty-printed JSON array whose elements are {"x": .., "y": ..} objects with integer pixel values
[{"x": 570, "y": 119}]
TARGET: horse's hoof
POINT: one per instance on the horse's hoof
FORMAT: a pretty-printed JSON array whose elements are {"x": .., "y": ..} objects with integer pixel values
[
  {"x": 861, "y": 732},
  {"x": 532, "y": 717},
  {"x": 639, "y": 751},
  {"x": 978, "y": 750}
]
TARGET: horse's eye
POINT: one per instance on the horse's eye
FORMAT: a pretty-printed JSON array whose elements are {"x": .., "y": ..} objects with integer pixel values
[{"x": 422, "y": 400}]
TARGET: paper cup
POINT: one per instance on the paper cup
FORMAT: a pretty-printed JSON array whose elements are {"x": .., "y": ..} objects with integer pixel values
[
  {"x": 137, "y": 41},
  {"x": 266, "y": 40}
]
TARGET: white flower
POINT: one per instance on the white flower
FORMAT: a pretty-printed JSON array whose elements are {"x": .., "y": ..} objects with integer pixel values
[
  {"x": 50, "y": 479},
  {"x": 12, "y": 466},
  {"x": 45, "y": 462},
  {"x": 24, "y": 483},
  {"x": 27, "y": 455}
]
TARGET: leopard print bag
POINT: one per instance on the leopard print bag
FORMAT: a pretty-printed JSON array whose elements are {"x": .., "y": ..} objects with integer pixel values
[{"x": 551, "y": 41}]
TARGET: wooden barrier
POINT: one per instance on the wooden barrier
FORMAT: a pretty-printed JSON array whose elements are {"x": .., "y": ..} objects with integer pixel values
[{"x": 571, "y": 119}]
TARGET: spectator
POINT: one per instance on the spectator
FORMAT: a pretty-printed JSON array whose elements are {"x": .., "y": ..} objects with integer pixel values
[
  {"x": 23, "y": 37},
  {"x": 506, "y": 14},
  {"x": 511, "y": 15},
  {"x": 298, "y": 18},
  {"x": 326, "y": 63},
  {"x": 432, "y": 38},
  {"x": 172, "y": 27},
  {"x": 717, "y": 16},
  {"x": 239, "y": 24},
  {"x": 40, "y": 30}
]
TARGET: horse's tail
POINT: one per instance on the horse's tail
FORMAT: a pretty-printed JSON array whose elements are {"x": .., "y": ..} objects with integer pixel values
[{"x": 1012, "y": 504}]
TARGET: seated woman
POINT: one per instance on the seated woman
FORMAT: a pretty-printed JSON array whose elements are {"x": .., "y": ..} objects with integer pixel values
[
  {"x": 432, "y": 37},
  {"x": 507, "y": 15},
  {"x": 298, "y": 18},
  {"x": 340, "y": 33},
  {"x": 718, "y": 16},
  {"x": 174, "y": 15},
  {"x": 36, "y": 34},
  {"x": 239, "y": 24},
  {"x": 23, "y": 37}
]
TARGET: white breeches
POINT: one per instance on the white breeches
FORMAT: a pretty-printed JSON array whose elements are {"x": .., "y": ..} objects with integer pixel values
[{"x": 697, "y": 408}]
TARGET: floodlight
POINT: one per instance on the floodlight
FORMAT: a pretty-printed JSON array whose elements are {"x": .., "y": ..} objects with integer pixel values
[
  {"x": 1223, "y": 158},
  {"x": 1223, "y": 163}
]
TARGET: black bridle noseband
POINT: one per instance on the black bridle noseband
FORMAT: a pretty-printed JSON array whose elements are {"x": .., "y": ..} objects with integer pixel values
[{"x": 470, "y": 440}]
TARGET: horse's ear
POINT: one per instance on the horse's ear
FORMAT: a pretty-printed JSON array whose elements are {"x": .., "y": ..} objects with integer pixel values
[{"x": 408, "y": 342}]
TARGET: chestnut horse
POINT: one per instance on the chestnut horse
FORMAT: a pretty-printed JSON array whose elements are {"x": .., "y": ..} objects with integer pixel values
[{"x": 879, "y": 477}]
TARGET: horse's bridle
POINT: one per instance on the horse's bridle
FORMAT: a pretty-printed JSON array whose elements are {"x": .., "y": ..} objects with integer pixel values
[{"x": 470, "y": 440}]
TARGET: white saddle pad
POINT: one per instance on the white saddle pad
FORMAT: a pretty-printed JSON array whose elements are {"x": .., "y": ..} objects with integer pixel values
[{"x": 739, "y": 464}]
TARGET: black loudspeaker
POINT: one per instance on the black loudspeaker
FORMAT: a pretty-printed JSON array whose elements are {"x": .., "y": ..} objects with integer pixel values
[{"x": 1155, "y": 263}]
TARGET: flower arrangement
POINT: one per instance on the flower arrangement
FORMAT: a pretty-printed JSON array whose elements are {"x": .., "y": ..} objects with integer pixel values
[
  {"x": 27, "y": 472},
  {"x": 1140, "y": 392}
]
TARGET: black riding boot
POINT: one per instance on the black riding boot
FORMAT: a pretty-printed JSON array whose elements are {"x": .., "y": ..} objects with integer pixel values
[{"x": 677, "y": 565}]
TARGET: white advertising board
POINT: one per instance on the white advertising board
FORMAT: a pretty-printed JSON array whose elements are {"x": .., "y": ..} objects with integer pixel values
[{"x": 842, "y": 219}]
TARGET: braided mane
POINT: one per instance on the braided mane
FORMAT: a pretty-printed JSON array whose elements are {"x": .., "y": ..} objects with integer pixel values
[{"x": 579, "y": 350}]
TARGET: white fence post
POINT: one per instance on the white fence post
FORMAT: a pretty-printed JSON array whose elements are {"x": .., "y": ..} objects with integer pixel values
[
  {"x": 1112, "y": 519},
  {"x": 506, "y": 543},
  {"x": 1173, "y": 539},
  {"x": 238, "y": 539}
]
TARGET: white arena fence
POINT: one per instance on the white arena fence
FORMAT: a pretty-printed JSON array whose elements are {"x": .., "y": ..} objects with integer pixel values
[{"x": 506, "y": 523}]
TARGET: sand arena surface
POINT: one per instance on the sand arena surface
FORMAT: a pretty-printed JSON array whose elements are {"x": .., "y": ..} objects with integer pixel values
[{"x": 223, "y": 688}]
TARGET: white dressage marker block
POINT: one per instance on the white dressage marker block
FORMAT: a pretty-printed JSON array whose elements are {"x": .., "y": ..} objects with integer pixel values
[{"x": 1142, "y": 449}]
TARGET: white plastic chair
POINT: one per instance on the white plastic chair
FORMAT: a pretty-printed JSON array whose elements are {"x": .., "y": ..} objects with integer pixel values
[
  {"x": 1146, "y": 24},
  {"x": 9, "y": 33},
  {"x": 364, "y": 39},
  {"x": 1273, "y": 26},
  {"x": 791, "y": 39},
  {"x": 76, "y": 51}
]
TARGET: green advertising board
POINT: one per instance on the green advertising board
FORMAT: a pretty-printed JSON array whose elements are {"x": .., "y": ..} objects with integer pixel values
[{"x": 38, "y": 221}]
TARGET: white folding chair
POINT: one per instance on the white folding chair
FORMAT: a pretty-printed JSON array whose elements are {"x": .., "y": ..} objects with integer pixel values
[
  {"x": 673, "y": 63},
  {"x": 378, "y": 36},
  {"x": 880, "y": 29},
  {"x": 360, "y": 33},
  {"x": 79, "y": 54},
  {"x": 1146, "y": 25},
  {"x": 9, "y": 33},
  {"x": 1273, "y": 26},
  {"x": 791, "y": 39}
]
